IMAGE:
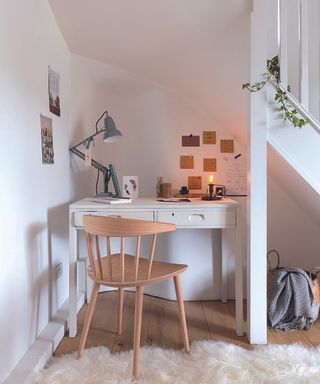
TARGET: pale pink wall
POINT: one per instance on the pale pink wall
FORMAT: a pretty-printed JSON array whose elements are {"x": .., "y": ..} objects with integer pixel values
[{"x": 34, "y": 197}]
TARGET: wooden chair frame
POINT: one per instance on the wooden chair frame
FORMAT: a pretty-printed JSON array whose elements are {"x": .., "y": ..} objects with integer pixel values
[{"x": 122, "y": 270}]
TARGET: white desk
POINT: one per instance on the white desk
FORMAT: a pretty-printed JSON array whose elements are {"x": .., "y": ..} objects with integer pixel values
[{"x": 220, "y": 214}]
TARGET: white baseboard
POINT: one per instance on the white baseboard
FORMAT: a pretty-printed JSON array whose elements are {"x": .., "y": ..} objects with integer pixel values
[{"x": 42, "y": 349}]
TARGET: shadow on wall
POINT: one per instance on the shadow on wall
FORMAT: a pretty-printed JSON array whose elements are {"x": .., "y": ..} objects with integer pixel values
[
  {"x": 37, "y": 272},
  {"x": 58, "y": 252},
  {"x": 201, "y": 281},
  {"x": 82, "y": 180},
  {"x": 82, "y": 177},
  {"x": 46, "y": 245}
]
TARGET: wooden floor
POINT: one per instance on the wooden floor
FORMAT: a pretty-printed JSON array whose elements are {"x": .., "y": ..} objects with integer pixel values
[{"x": 160, "y": 325}]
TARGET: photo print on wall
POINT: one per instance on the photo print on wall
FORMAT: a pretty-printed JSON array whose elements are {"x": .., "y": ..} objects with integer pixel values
[
  {"x": 54, "y": 91},
  {"x": 46, "y": 140}
]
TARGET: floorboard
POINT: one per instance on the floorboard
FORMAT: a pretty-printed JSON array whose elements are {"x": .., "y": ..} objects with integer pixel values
[{"x": 160, "y": 325}]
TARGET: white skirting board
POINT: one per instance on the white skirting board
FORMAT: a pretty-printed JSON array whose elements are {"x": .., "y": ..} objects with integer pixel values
[{"x": 42, "y": 349}]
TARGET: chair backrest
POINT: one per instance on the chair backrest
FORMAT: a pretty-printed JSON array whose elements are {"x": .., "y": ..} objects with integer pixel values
[{"x": 107, "y": 227}]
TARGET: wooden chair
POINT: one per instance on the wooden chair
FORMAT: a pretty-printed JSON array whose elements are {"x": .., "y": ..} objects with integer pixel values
[{"x": 122, "y": 270}]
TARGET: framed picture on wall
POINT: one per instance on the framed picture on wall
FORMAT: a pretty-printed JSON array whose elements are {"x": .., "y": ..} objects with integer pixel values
[
  {"x": 46, "y": 140},
  {"x": 54, "y": 91}
]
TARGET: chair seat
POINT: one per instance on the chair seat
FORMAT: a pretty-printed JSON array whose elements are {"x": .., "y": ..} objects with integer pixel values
[{"x": 160, "y": 271}]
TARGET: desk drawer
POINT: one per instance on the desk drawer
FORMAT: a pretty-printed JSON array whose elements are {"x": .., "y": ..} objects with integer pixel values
[
  {"x": 210, "y": 219},
  {"x": 138, "y": 215}
]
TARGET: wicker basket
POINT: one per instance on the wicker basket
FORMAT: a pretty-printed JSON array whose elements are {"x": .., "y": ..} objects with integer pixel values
[
  {"x": 313, "y": 276},
  {"x": 315, "y": 285},
  {"x": 271, "y": 269}
]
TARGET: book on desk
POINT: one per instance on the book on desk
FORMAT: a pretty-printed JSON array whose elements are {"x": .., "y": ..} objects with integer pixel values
[{"x": 111, "y": 200}]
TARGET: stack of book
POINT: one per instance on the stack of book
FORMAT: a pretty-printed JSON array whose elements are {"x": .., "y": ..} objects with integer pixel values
[{"x": 111, "y": 200}]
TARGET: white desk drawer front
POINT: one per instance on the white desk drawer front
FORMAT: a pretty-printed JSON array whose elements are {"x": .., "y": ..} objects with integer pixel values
[
  {"x": 217, "y": 218},
  {"x": 138, "y": 215}
]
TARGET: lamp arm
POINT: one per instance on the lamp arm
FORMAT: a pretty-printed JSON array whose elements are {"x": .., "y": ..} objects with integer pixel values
[
  {"x": 83, "y": 142},
  {"x": 104, "y": 113},
  {"x": 95, "y": 164},
  {"x": 100, "y": 167}
]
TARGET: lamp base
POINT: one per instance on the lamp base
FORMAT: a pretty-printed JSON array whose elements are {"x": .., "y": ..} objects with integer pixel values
[{"x": 105, "y": 194}]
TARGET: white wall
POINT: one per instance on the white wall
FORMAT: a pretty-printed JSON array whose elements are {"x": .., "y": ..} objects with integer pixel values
[
  {"x": 34, "y": 197},
  {"x": 198, "y": 48},
  {"x": 152, "y": 120},
  {"x": 293, "y": 215},
  {"x": 291, "y": 231}
]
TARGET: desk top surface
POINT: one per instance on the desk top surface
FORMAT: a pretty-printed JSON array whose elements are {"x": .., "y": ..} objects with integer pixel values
[{"x": 153, "y": 203}]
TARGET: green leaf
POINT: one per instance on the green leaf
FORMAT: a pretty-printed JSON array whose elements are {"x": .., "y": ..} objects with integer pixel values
[{"x": 281, "y": 98}]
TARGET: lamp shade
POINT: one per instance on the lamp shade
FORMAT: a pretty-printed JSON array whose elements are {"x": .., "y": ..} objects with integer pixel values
[{"x": 111, "y": 132}]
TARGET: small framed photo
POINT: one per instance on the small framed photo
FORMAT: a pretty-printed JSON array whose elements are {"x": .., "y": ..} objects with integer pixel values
[{"x": 130, "y": 187}]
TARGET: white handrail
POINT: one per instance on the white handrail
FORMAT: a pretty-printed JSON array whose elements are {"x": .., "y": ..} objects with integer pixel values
[{"x": 297, "y": 105}]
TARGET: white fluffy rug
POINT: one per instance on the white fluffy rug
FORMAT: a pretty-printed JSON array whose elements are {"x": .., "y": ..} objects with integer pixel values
[{"x": 208, "y": 362}]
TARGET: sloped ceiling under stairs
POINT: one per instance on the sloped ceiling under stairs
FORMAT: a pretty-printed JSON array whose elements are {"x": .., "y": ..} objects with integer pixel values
[{"x": 200, "y": 49}]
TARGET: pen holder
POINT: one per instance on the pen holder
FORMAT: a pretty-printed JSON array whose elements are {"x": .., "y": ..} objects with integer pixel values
[{"x": 166, "y": 190}]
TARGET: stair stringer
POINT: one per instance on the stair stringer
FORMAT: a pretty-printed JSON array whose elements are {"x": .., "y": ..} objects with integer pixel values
[{"x": 300, "y": 147}]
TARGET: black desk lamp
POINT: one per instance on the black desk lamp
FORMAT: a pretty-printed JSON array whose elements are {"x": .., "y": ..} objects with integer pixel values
[{"x": 110, "y": 134}]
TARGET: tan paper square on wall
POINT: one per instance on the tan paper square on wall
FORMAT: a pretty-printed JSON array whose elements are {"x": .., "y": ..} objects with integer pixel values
[
  {"x": 210, "y": 165},
  {"x": 194, "y": 182},
  {"x": 186, "y": 162},
  {"x": 209, "y": 137},
  {"x": 227, "y": 146}
]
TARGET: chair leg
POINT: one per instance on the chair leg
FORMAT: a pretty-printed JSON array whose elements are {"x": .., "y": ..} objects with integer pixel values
[
  {"x": 137, "y": 331},
  {"x": 89, "y": 315},
  {"x": 183, "y": 324},
  {"x": 120, "y": 309}
]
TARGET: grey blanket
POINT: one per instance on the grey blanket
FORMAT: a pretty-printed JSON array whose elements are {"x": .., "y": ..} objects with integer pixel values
[{"x": 290, "y": 305}]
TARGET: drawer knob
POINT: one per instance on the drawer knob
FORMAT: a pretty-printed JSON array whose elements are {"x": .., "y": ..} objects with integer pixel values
[{"x": 196, "y": 217}]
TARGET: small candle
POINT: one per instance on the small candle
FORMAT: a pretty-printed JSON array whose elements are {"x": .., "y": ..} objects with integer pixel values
[{"x": 211, "y": 186}]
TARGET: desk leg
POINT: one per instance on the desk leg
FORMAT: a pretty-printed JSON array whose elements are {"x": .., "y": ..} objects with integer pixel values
[
  {"x": 73, "y": 255},
  {"x": 224, "y": 266},
  {"x": 239, "y": 273}
]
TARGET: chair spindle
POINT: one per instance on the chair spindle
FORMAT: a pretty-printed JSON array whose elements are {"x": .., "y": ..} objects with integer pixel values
[
  {"x": 122, "y": 259},
  {"x": 109, "y": 257},
  {"x": 99, "y": 256},
  {"x": 153, "y": 245},
  {"x": 136, "y": 262},
  {"x": 90, "y": 252}
]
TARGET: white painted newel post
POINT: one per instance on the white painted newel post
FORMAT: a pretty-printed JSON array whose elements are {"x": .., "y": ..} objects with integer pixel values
[{"x": 257, "y": 167}]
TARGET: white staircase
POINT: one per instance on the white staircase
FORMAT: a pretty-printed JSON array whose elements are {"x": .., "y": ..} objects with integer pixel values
[
  {"x": 290, "y": 29},
  {"x": 300, "y": 147},
  {"x": 298, "y": 48}
]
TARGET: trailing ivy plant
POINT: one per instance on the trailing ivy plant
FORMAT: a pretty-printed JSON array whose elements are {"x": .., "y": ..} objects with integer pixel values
[{"x": 281, "y": 97}]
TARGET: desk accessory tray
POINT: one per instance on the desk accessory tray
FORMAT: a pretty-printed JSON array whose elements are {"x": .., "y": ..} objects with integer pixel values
[{"x": 212, "y": 198}]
